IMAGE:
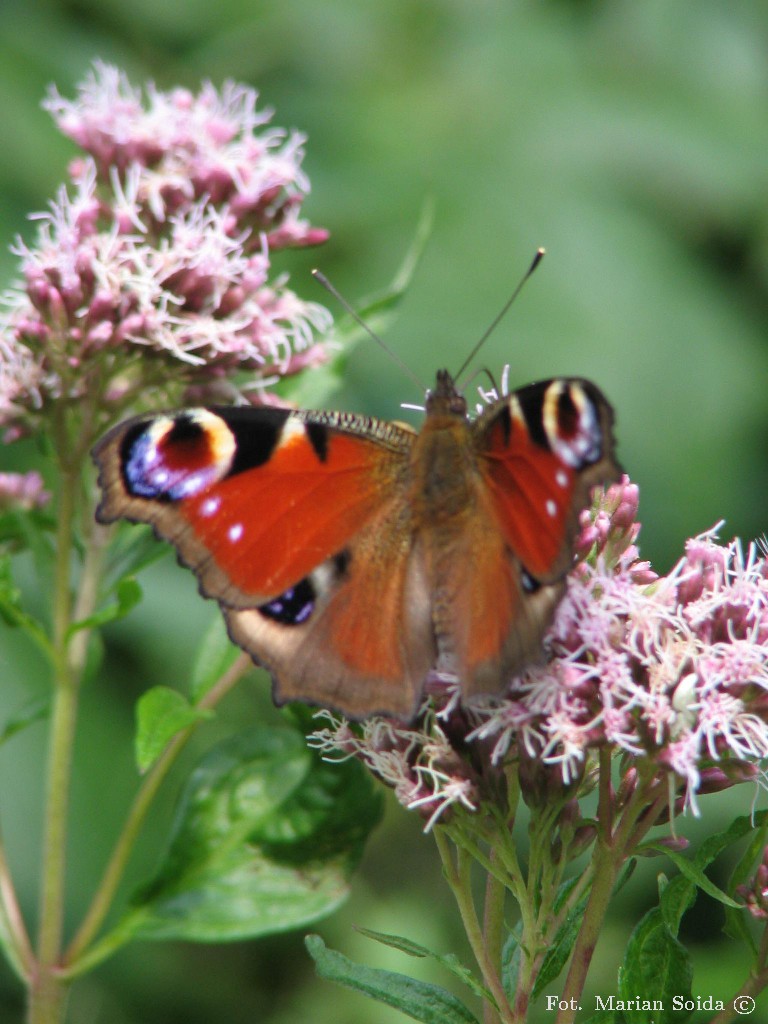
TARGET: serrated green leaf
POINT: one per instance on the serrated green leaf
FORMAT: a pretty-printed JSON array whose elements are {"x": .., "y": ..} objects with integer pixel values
[
  {"x": 677, "y": 896},
  {"x": 398, "y": 942},
  {"x": 736, "y": 923},
  {"x": 714, "y": 845},
  {"x": 745, "y": 865},
  {"x": 215, "y": 655},
  {"x": 128, "y": 593},
  {"x": 447, "y": 960},
  {"x": 656, "y": 966},
  {"x": 510, "y": 961},
  {"x": 265, "y": 840},
  {"x": 417, "y": 999},
  {"x": 625, "y": 874},
  {"x": 693, "y": 872},
  {"x": 560, "y": 949},
  {"x": 160, "y": 713}
]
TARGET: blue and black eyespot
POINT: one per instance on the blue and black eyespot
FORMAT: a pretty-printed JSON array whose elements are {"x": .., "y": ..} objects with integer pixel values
[{"x": 293, "y": 606}]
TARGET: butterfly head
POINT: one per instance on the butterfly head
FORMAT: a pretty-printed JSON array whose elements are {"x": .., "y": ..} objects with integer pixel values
[{"x": 444, "y": 399}]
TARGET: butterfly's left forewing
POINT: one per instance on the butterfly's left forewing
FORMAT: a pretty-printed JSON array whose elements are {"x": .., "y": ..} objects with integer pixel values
[{"x": 294, "y": 523}]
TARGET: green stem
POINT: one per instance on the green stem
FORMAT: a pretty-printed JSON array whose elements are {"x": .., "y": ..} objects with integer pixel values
[
  {"x": 457, "y": 874},
  {"x": 19, "y": 951},
  {"x": 755, "y": 983},
  {"x": 47, "y": 996},
  {"x": 76, "y": 955},
  {"x": 611, "y": 851},
  {"x": 493, "y": 926},
  {"x": 57, "y": 802}
]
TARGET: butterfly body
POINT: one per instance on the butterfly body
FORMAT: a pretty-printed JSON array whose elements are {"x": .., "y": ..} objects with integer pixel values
[{"x": 352, "y": 555}]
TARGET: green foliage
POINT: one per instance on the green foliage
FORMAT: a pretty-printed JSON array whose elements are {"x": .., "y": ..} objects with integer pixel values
[
  {"x": 265, "y": 839},
  {"x": 13, "y": 612},
  {"x": 656, "y": 966},
  {"x": 449, "y": 961},
  {"x": 127, "y": 594},
  {"x": 160, "y": 714},
  {"x": 417, "y": 999},
  {"x": 215, "y": 656}
]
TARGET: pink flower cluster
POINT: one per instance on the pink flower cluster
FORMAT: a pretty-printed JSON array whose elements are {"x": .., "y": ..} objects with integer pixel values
[
  {"x": 153, "y": 267},
  {"x": 22, "y": 491},
  {"x": 670, "y": 670}
]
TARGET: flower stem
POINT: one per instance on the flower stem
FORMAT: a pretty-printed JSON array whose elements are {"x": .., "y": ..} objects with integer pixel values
[
  {"x": 493, "y": 927},
  {"x": 457, "y": 874},
  {"x": 19, "y": 950},
  {"x": 48, "y": 995},
  {"x": 105, "y": 893},
  {"x": 611, "y": 851}
]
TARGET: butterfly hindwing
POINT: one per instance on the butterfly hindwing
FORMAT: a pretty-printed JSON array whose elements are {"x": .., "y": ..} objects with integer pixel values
[{"x": 369, "y": 644}]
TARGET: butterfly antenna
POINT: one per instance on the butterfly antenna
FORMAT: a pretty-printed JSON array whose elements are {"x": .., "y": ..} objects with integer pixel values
[
  {"x": 320, "y": 277},
  {"x": 500, "y": 316}
]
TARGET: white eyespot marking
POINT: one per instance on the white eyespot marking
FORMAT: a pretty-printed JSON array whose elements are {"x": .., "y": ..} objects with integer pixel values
[
  {"x": 551, "y": 508},
  {"x": 210, "y": 506},
  {"x": 576, "y": 437},
  {"x": 561, "y": 478},
  {"x": 235, "y": 532}
]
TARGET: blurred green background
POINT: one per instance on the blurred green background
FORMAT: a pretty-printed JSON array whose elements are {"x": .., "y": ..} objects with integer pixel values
[{"x": 631, "y": 140}]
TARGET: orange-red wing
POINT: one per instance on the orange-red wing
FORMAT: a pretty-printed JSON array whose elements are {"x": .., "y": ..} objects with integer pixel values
[
  {"x": 253, "y": 499},
  {"x": 270, "y": 526},
  {"x": 542, "y": 450}
]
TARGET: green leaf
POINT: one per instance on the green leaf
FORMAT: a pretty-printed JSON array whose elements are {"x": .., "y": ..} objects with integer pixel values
[
  {"x": 447, "y": 960},
  {"x": 737, "y": 921},
  {"x": 692, "y": 870},
  {"x": 26, "y": 716},
  {"x": 29, "y": 528},
  {"x": 714, "y": 845},
  {"x": 510, "y": 961},
  {"x": 558, "y": 953},
  {"x": 160, "y": 713},
  {"x": 13, "y": 613},
  {"x": 417, "y": 999},
  {"x": 676, "y": 897},
  {"x": 656, "y": 966},
  {"x": 128, "y": 593},
  {"x": 313, "y": 389},
  {"x": 265, "y": 840},
  {"x": 133, "y": 548},
  {"x": 215, "y": 655}
]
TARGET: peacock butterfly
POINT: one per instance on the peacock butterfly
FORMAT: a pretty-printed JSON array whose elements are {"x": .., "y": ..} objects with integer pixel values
[{"x": 351, "y": 555}]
